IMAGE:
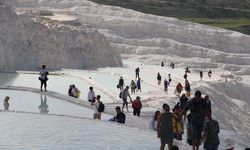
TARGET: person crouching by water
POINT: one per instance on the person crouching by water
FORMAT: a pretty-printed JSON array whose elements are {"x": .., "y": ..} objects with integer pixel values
[
  {"x": 120, "y": 116},
  {"x": 6, "y": 103},
  {"x": 43, "y": 78},
  {"x": 73, "y": 91}
]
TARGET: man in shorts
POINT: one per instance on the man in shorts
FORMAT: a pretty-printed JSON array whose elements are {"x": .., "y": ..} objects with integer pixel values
[{"x": 125, "y": 95}]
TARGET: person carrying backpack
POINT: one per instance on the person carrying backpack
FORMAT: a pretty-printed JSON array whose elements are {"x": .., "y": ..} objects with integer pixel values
[
  {"x": 137, "y": 105},
  {"x": 197, "y": 109},
  {"x": 98, "y": 107},
  {"x": 43, "y": 78}
]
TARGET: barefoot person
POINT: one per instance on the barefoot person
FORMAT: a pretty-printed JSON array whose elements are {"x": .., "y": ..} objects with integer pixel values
[
  {"x": 165, "y": 128},
  {"x": 43, "y": 78},
  {"x": 6, "y": 103},
  {"x": 125, "y": 95}
]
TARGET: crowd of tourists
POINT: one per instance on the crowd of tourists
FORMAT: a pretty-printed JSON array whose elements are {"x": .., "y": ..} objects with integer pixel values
[{"x": 193, "y": 114}]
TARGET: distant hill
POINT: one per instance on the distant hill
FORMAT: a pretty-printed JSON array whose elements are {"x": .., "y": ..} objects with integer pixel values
[{"x": 229, "y": 14}]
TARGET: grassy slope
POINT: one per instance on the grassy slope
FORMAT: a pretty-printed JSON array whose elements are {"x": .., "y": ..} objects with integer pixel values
[{"x": 229, "y": 14}]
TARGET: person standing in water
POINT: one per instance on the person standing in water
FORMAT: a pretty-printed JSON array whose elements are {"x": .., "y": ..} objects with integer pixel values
[{"x": 6, "y": 103}]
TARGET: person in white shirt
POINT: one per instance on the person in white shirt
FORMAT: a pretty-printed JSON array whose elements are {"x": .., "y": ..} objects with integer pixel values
[
  {"x": 43, "y": 77},
  {"x": 97, "y": 114},
  {"x": 153, "y": 122},
  {"x": 91, "y": 95}
]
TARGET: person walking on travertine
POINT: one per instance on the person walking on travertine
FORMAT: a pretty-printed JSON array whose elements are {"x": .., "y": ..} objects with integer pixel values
[
  {"x": 165, "y": 128},
  {"x": 96, "y": 104},
  {"x": 43, "y": 78},
  {"x": 121, "y": 83},
  {"x": 6, "y": 103},
  {"x": 91, "y": 95},
  {"x": 159, "y": 78},
  {"x": 125, "y": 94},
  {"x": 137, "y": 73},
  {"x": 201, "y": 75}
]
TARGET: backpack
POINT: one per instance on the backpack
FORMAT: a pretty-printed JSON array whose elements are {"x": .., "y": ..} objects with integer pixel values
[{"x": 101, "y": 107}]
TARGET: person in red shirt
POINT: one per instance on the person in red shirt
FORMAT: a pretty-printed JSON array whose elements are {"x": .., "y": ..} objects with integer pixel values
[
  {"x": 137, "y": 105},
  {"x": 179, "y": 89}
]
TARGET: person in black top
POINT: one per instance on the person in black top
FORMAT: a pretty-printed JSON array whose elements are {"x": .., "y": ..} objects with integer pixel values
[
  {"x": 201, "y": 75},
  {"x": 197, "y": 107},
  {"x": 185, "y": 76},
  {"x": 187, "y": 88},
  {"x": 208, "y": 103},
  {"x": 159, "y": 78},
  {"x": 121, "y": 83},
  {"x": 137, "y": 71},
  {"x": 120, "y": 116},
  {"x": 43, "y": 77},
  {"x": 209, "y": 74},
  {"x": 183, "y": 104},
  {"x": 162, "y": 64}
]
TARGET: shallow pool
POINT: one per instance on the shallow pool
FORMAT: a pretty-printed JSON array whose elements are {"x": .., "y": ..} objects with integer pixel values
[{"x": 40, "y": 103}]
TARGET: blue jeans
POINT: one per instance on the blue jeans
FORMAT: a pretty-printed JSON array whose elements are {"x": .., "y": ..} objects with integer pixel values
[{"x": 209, "y": 146}]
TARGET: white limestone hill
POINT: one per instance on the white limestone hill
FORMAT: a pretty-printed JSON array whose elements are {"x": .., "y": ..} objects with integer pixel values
[
  {"x": 152, "y": 39},
  {"x": 28, "y": 40}
]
